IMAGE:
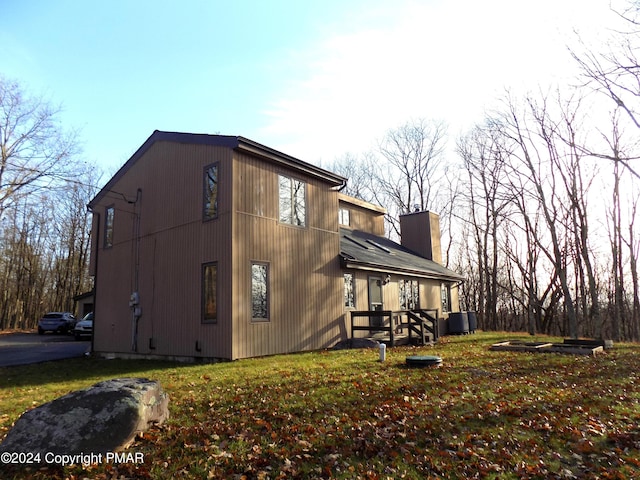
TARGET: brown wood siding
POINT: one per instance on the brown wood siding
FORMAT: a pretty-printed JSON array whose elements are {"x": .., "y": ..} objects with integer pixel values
[
  {"x": 363, "y": 219},
  {"x": 455, "y": 298},
  {"x": 306, "y": 286},
  {"x": 306, "y": 282},
  {"x": 430, "y": 295},
  {"x": 174, "y": 243},
  {"x": 362, "y": 291}
]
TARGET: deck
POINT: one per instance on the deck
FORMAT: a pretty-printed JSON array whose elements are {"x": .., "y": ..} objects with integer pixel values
[{"x": 393, "y": 328}]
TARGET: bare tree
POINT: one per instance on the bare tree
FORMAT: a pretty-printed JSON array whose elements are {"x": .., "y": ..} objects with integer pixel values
[
  {"x": 451, "y": 184},
  {"x": 70, "y": 237},
  {"x": 577, "y": 175},
  {"x": 633, "y": 244},
  {"x": 24, "y": 264},
  {"x": 409, "y": 167},
  {"x": 44, "y": 189},
  {"x": 616, "y": 73},
  {"x": 483, "y": 158},
  {"x": 537, "y": 159},
  {"x": 524, "y": 225},
  {"x": 357, "y": 170},
  {"x": 35, "y": 152}
]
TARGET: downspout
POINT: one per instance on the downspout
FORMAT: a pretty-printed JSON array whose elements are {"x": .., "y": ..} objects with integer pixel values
[
  {"x": 134, "y": 301},
  {"x": 95, "y": 278}
]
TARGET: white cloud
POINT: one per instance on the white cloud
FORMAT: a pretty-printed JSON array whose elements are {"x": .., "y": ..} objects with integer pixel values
[{"x": 444, "y": 60}]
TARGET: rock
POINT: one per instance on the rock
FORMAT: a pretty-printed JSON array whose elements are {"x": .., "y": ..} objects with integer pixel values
[
  {"x": 356, "y": 343},
  {"x": 103, "y": 418}
]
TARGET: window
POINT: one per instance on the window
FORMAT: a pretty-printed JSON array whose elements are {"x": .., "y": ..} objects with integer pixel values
[
  {"x": 292, "y": 201},
  {"x": 408, "y": 294},
  {"x": 349, "y": 299},
  {"x": 210, "y": 209},
  {"x": 108, "y": 227},
  {"x": 343, "y": 217},
  {"x": 446, "y": 297},
  {"x": 210, "y": 293},
  {"x": 260, "y": 291}
]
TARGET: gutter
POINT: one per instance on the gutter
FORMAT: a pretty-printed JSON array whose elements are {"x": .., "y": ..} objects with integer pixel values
[
  {"x": 267, "y": 153},
  {"x": 372, "y": 267}
]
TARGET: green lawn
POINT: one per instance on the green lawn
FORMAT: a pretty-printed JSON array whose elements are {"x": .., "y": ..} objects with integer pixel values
[{"x": 344, "y": 414}]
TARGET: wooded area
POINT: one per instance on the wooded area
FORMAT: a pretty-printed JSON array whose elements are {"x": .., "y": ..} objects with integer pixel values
[
  {"x": 537, "y": 203},
  {"x": 44, "y": 223}
]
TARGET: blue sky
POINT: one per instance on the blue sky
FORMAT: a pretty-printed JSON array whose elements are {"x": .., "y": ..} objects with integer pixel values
[{"x": 314, "y": 79}]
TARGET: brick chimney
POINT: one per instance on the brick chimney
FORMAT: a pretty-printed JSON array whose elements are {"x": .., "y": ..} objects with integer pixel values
[{"x": 420, "y": 233}]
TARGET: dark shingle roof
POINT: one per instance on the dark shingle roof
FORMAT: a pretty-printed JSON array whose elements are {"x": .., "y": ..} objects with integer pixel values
[{"x": 367, "y": 251}]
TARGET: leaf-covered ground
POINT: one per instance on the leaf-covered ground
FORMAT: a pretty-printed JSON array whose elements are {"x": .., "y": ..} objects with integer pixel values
[{"x": 344, "y": 414}]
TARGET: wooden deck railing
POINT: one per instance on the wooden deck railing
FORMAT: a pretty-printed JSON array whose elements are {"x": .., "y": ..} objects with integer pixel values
[
  {"x": 419, "y": 322},
  {"x": 386, "y": 322}
]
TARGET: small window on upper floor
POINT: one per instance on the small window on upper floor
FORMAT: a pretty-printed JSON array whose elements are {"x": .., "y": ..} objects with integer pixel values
[
  {"x": 292, "y": 201},
  {"x": 109, "y": 216},
  {"x": 210, "y": 197},
  {"x": 343, "y": 217}
]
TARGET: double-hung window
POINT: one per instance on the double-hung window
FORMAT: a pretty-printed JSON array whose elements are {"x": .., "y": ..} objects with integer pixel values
[{"x": 292, "y": 204}]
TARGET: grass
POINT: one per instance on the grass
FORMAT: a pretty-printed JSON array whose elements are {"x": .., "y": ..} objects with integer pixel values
[{"x": 344, "y": 414}]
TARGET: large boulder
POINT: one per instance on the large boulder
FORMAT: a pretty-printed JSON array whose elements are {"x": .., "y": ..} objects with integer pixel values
[{"x": 103, "y": 418}]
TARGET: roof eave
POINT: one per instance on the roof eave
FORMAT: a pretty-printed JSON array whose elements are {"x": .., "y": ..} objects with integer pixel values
[
  {"x": 362, "y": 204},
  {"x": 159, "y": 136},
  {"x": 373, "y": 267},
  {"x": 257, "y": 149},
  {"x": 235, "y": 142}
]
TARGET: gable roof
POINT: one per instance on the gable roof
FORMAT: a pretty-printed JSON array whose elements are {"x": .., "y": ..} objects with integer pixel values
[
  {"x": 362, "y": 250},
  {"x": 238, "y": 143}
]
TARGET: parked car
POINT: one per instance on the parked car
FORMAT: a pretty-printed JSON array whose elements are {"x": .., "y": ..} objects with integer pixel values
[
  {"x": 57, "y": 322},
  {"x": 84, "y": 328}
]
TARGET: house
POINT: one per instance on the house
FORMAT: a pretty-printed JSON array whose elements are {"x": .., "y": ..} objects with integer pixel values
[
  {"x": 83, "y": 304},
  {"x": 218, "y": 247}
]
